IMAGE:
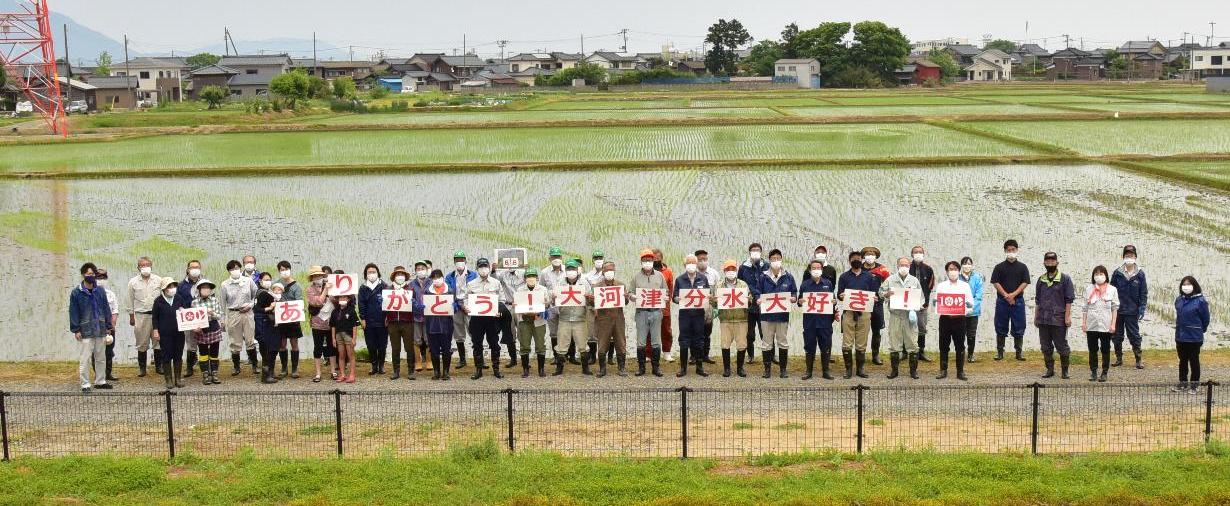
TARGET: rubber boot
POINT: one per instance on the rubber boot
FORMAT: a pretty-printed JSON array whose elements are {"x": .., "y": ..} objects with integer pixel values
[
  {"x": 826, "y": 357},
  {"x": 999, "y": 347},
  {"x": 767, "y": 358},
  {"x": 435, "y": 368},
  {"x": 192, "y": 361},
  {"x": 168, "y": 380},
  {"x": 178, "y": 364},
  {"x": 622, "y": 363},
  {"x": 602, "y": 365},
  {"x": 875, "y": 347},
  {"x": 205, "y": 374},
  {"x": 461, "y": 357},
  {"x": 1020, "y": 349},
  {"x": 1050, "y": 366},
  {"x": 542, "y": 365},
  {"x": 683, "y": 362},
  {"x": 656, "y": 362},
  {"x": 159, "y": 367},
  {"x": 1136, "y": 353},
  {"x": 213, "y": 371},
  {"x": 859, "y": 361},
  {"x": 525, "y": 366},
  {"x": 572, "y": 354},
  {"x": 913, "y": 360},
  {"x": 422, "y": 359},
  {"x": 943, "y": 366},
  {"x": 373, "y": 357},
  {"x": 1093, "y": 366},
  {"x": 700, "y": 365},
  {"x": 446, "y": 368},
  {"x": 640, "y": 361},
  {"x": 1118, "y": 358},
  {"x": 294, "y": 364},
  {"x": 235, "y": 362},
  {"x": 961, "y": 366},
  {"x": 725, "y": 363},
  {"x": 512, "y": 355},
  {"x": 586, "y": 360},
  {"x": 284, "y": 356},
  {"x": 396, "y": 369},
  {"x": 1105, "y": 370},
  {"x": 141, "y": 361},
  {"x": 782, "y": 356},
  {"x": 810, "y": 360},
  {"x": 1063, "y": 366},
  {"x": 478, "y": 367},
  {"x": 848, "y": 359},
  {"x": 495, "y": 363},
  {"x": 252, "y": 360},
  {"x": 267, "y": 375},
  {"x": 740, "y": 356},
  {"x": 559, "y": 365},
  {"x": 894, "y": 360}
]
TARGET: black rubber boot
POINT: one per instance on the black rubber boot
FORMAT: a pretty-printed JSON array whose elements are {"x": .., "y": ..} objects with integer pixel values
[
  {"x": 922, "y": 348},
  {"x": 961, "y": 366},
  {"x": 159, "y": 367},
  {"x": 205, "y": 374},
  {"x": 446, "y": 368},
  {"x": 396, "y": 369},
  {"x": 810, "y": 360},
  {"x": 767, "y": 358},
  {"x": 168, "y": 380},
  {"x": 586, "y": 359},
  {"x": 512, "y": 355},
  {"x": 525, "y": 366},
  {"x": 1050, "y": 366},
  {"x": 294, "y": 364},
  {"x": 235, "y": 362},
  {"x": 142, "y": 357},
  {"x": 1136, "y": 353},
  {"x": 435, "y": 368},
  {"x": 1093, "y": 366},
  {"x": 373, "y": 357},
  {"x": 192, "y": 361},
  {"x": 782, "y": 356},
  {"x": 622, "y": 363},
  {"x": 461, "y": 357},
  {"x": 913, "y": 360},
  {"x": 725, "y": 363},
  {"x": 495, "y": 363},
  {"x": 559, "y": 365},
  {"x": 999, "y": 347},
  {"x": 178, "y": 364},
  {"x": 683, "y": 363},
  {"x": 601, "y": 365},
  {"x": 610, "y": 356},
  {"x": 859, "y": 360},
  {"x": 740, "y": 356},
  {"x": 1105, "y": 370},
  {"x": 826, "y": 357},
  {"x": 847, "y": 358},
  {"x": 875, "y": 347},
  {"x": 943, "y": 366},
  {"x": 656, "y": 362},
  {"x": 213, "y": 369},
  {"x": 284, "y": 356},
  {"x": 700, "y": 366},
  {"x": 640, "y": 361},
  {"x": 542, "y": 365},
  {"x": 252, "y": 360},
  {"x": 894, "y": 360},
  {"x": 267, "y": 375},
  {"x": 1063, "y": 366},
  {"x": 478, "y": 367},
  {"x": 1118, "y": 357},
  {"x": 1017, "y": 343}
]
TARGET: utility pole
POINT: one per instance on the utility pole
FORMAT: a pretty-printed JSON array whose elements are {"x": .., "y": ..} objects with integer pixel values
[
  {"x": 1067, "y": 41},
  {"x": 501, "y": 43},
  {"x": 315, "y": 62},
  {"x": 1211, "y": 24},
  {"x": 68, "y": 64},
  {"x": 127, "y": 67},
  {"x": 1082, "y": 43},
  {"x": 582, "y": 47},
  {"x": 352, "y": 53},
  {"x": 625, "y": 34}
]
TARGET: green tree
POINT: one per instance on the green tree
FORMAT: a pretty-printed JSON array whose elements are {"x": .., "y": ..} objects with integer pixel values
[
  {"x": 949, "y": 70},
  {"x": 789, "y": 34},
  {"x": 378, "y": 92},
  {"x": 214, "y": 95},
  {"x": 1006, "y": 46},
  {"x": 103, "y": 64},
  {"x": 1115, "y": 60},
  {"x": 725, "y": 37},
  {"x": 343, "y": 88},
  {"x": 318, "y": 88},
  {"x": 824, "y": 43},
  {"x": 4, "y": 77},
  {"x": 592, "y": 73},
  {"x": 293, "y": 86},
  {"x": 760, "y": 59},
  {"x": 199, "y": 60},
  {"x": 879, "y": 48},
  {"x": 857, "y": 77}
]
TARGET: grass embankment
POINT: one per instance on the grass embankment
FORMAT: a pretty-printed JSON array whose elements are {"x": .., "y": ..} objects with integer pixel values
[{"x": 483, "y": 474}]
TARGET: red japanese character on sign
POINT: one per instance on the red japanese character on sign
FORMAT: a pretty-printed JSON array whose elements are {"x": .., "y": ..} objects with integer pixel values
[
  {"x": 908, "y": 299},
  {"x": 732, "y": 298},
  {"x": 693, "y": 298},
  {"x": 191, "y": 318},
  {"x": 343, "y": 284},
  {"x": 438, "y": 305},
  {"x": 609, "y": 297},
  {"x": 818, "y": 303},
  {"x": 859, "y": 301},
  {"x": 483, "y": 304},
  {"x": 288, "y": 312},
  {"x": 396, "y": 301},
  {"x": 651, "y": 298},
  {"x": 774, "y": 303},
  {"x": 569, "y": 295}
]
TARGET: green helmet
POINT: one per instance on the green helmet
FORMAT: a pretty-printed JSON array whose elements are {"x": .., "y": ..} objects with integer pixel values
[
  {"x": 555, "y": 251},
  {"x": 599, "y": 254},
  {"x": 531, "y": 273},
  {"x": 459, "y": 254},
  {"x": 573, "y": 263}
]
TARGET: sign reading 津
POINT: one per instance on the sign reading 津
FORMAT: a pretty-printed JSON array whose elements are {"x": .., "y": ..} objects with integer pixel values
[
  {"x": 192, "y": 318},
  {"x": 859, "y": 301},
  {"x": 906, "y": 300},
  {"x": 437, "y": 305},
  {"x": 483, "y": 304},
  {"x": 608, "y": 297},
  {"x": 343, "y": 284},
  {"x": 651, "y": 298},
  {"x": 396, "y": 301},
  {"x": 290, "y": 311},
  {"x": 950, "y": 304},
  {"x": 818, "y": 303},
  {"x": 529, "y": 302}
]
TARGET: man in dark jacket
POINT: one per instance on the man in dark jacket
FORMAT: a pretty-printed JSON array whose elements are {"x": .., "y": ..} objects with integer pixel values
[
  {"x": 919, "y": 268},
  {"x": 750, "y": 271},
  {"x": 1129, "y": 281},
  {"x": 89, "y": 319},
  {"x": 691, "y": 321},
  {"x": 183, "y": 299},
  {"x": 1010, "y": 278},
  {"x": 371, "y": 310},
  {"x": 1053, "y": 315}
]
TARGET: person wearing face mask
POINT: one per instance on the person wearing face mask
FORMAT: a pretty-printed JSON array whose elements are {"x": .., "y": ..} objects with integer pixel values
[
  {"x": 532, "y": 327},
  {"x": 648, "y": 321},
  {"x": 343, "y": 319},
  {"x": 976, "y": 286},
  {"x": 827, "y": 271},
  {"x": 609, "y": 323},
  {"x": 484, "y": 329},
  {"x": 267, "y": 339},
  {"x": 573, "y": 329},
  {"x": 855, "y": 326},
  {"x": 595, "y": 276},
  {"x": 702, "y": 266},
  {"x": 667, "y": 335},
  {"x": 1129, "y": 280},
  {"x": 1101, "y": 316},
  {"x": 733, "y": 328},
  {"x": 139, "y": 296},
  {"x": 400, "y": 325},
  {"x": 1190, "y": 324},
  {"x": 952, "y": 327},
  {"x": 183, "y": 298},
  {"x": 1010, "y": 278},
  {"x": 509, "y": 281},
  {"x": 290, "y": 333},
  {"x": 456, "y": 280},
  {"x": 1053, "y": 314},
  {"x": 418, "y": 286},
  {"x": 750, "y": 271},
  {"x": 871, "y": 256},
  {"x": 691, "y": 321},
  {"x": 371, "y": 317},
  {"x": 817, "y": 328},
  {"x": 167, "y": 334},
  {"x": 208, "y": 340},
  {"x": 920, "y": 269},
  {"x": 550, "y": 277},
  {"x": 101, "y": 279},
  {"x": 439, "y": 331},
  {"x": 774, "y": 327},
  {"x": 90, "y": 321},
  {"x": 238, "y": 294},
  {"x": 901, "y": 344},
  {"x": 319, "y": 309},
  {"x": 249, "y": 269}
]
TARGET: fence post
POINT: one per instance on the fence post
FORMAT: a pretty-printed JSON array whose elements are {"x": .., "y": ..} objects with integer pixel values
[
  {"x": 858, "y": 435},
  {"x": 511, "y": 442},
  {"x": 1208, "y": 411},
  {"x": 166, "y": 394},
  {"x": 1033, "y": 431},
  {"x": 4, "y": 425},
  {"x": 683, "y": 418},
  {"x": 337, "y": 418}
]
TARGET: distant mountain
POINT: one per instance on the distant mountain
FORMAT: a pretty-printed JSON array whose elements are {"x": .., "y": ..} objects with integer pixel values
[{"x": 84, "y": 43}]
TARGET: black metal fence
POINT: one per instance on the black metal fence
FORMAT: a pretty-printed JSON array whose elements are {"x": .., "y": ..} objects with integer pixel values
[{"x": 680, "y": 422}]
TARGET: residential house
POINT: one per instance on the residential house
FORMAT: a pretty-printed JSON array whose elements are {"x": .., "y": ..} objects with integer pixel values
[
  {"x": 990, "y": 65},
  {"x": 546, "y": 61},
  {"x": 918, "y": 71},
  {"x": 615, "y": 61},
  {"x": 1213, "y": 61},
  {"x": 72, "y": 90},
  {"x": 73, "y": 71},
  {"x": 926, "y": 46},
  {"x": 805, "y": 70},
  {"x": 158, "y": 78},
  {"x": 333, "y": 69},
  {"x": 1031, "y": 54},
  {"x": 486, "y": 79},
  {"x": 463, "y": 66},
  {"x": 115, "y": 92},
  {"x": 1072, "y": 63},
  {"x": 1146, "y": 58},
  {"x": 209, "y": 75},
  {"x": 963, "y": 54},
  {"x": 694, "y": 66},
  {"x": 530, "y": 75},
  {"x": 255, "y": 72}
]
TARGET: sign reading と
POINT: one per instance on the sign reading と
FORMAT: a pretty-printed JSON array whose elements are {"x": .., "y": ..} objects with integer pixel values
[
  {"x": 192, "y": 318},
  {"x": 343, "y": 284},
  {"x": 438, "y": 305},
  {"x": 290, "y": 311}
]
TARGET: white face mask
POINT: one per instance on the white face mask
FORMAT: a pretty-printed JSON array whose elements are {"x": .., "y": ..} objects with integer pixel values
[
  {"x": 815, "y": 273},
  {"x": 461, "y": 266},
  {"x": 235, "y": 274},
  {"x": 731, "y": 275},
  {"x": 690, "y": 268},
  {"x": 169, "y": 292},
  {"x": 647, "y": 266},
  {"x": 822, "y": 256},
  {"x": 608, "y": 275},
  {"x": 776, "y": 265},
  {"x": 437, "y": 281},
  {"x": 903, "y": 270},
  {"x": 401, "y": 280},
  {"x": 531, "y": 282},
  {"x": 598, "y": 263},
  {"x": 145, "y": 271},
  {"x": 571, "y": 275},
  {"x": 194, "y": 273},
  {"x": 869, "y": 259},
  {"x": 266, "y": 284},
  {"x": 277, "y": 296},
  {"x": 285, "y": 274},
  {"x": 556, "y": 262},
  {"x": 343, "y": 302},
  {"x": 918, "y": 257},
  {"x": 372, "y": 277},
  {"x": 755, "y": 255},
  {"x": 952, "y": 275},
  {"x": 484, "y": 271},
  {"x": 1010, "y": 256},
  {"x": 1099, "y": 279},
  {"x": 420, "y": 273},
  {"x": 1187, "y": 289},
  {"x": 967, "y": 268},
  {"x": 205, "y": 292},
  {"x": 249, "y": 267},
  {"x": 1129, "y": 261}
]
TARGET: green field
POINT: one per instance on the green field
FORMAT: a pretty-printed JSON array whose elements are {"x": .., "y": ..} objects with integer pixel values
[
  {"x": 481, "y": 117},
  {"x": 1164, "y": 107},
  {"x": 1146, "y": 137},
  {"x": 482, "y": 474},
  {"x": 922, "y": 110},
  {"x": 568, "y": 105},
  {"x": 1054, "y": 99}
]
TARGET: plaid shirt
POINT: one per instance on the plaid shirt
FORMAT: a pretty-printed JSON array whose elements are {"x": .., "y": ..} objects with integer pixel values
[{"x": 210, "y": 303}]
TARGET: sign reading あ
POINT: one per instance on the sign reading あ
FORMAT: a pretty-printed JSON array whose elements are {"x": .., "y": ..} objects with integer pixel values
[{"x": 290, "y": 311}]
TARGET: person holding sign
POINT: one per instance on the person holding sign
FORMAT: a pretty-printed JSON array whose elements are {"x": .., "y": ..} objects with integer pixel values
[
  {"x": 342, "y": 320},
  {"x": 816, "y": 299},
  {"x": 398, "y": 307},
  {"x": 90, "y": 321},
  {"x": 609, "y": 318},
  {"x": 691, "y": 294},
  {"x": 731, "y": 297},
  {"x": 870, "y": 256},
  {"x": 775, "y": 284},
  {"x": 855, "y": 322},
  {"x": 1053, "y": 314},
  {"x": 267, "y": 338},
  {"x": 922, "y": 270},
  {"x": 209, "y": 339},
  {"x": 484, "y": 320},
  {"x": 905, "y": 294},
  {"x": 290, "y": 333},
  {"x": 320, "y": 308},
  {"x": 166, "y": 332},
  {"x": 954, "y": 300},
  {"x": 530, "y": 304},
  {"x": 439, "y": 330},
  {"x": 648, "y": 316},
  {"x": 571, "y": 297}
]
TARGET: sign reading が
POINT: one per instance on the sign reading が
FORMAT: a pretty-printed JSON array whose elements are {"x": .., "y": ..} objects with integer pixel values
[{"x": 396, "y": 301}]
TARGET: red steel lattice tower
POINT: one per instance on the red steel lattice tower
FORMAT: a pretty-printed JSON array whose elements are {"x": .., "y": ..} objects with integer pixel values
[{"x": 28, "y": 55}]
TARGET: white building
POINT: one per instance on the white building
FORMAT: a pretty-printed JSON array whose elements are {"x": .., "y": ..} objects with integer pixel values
[
  {"x": 990, "y": 65},
  {"x": 805, "y": 70},
  {"x": 926, "y": 46},
  {"x": 1212, "y": 61},
  {"x": 160, "y": 79}
]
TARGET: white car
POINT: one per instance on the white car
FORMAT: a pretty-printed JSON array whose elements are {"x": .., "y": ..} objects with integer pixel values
[
  {"x": 76, "y": 106},
  {"x": 25, "y": 106}
]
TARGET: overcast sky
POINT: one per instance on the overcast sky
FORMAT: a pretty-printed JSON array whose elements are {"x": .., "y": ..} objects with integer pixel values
[{"x": 401, "y": 27}]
